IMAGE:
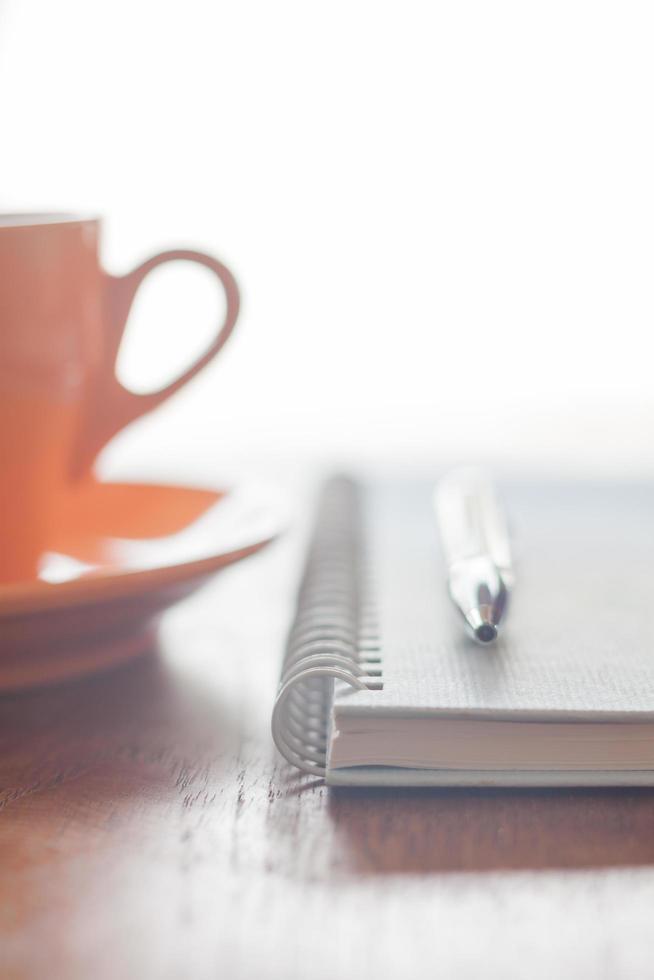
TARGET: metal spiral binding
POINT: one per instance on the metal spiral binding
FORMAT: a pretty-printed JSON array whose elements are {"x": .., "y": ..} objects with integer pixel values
[{"x": 334, "y": 636}]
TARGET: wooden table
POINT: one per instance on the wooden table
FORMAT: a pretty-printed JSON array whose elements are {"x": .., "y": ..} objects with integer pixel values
[{"x": 147, "y": 830}]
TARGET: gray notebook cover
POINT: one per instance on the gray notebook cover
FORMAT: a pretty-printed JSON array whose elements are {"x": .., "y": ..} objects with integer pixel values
[{"x": 578, "y": 643}]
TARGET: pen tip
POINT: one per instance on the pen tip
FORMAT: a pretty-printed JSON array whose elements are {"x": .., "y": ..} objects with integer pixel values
[
  {"x": 482, "y": 623},
  {"x": 486, "y": 633}
]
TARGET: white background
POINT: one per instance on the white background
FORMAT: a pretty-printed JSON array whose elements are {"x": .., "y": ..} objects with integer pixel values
[{"x": 441, "y": 215}]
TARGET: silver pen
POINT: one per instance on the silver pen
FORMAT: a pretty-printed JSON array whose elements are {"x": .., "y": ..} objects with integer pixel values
[{"x": 476, "y": 546}]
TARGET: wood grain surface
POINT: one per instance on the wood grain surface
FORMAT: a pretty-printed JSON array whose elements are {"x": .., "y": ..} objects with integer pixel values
[{"x": 148, "y": 831}]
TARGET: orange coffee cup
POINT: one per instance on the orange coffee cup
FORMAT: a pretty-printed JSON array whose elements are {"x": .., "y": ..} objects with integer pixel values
[{"x": 61, "y": 322}]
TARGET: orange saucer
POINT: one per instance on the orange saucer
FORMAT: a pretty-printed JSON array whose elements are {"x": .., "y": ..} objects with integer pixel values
[{"x": 121, "y": 555}]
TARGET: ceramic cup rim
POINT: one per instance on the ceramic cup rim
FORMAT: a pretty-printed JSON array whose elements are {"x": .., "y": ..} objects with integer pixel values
[{"x": 39, "y": 219}]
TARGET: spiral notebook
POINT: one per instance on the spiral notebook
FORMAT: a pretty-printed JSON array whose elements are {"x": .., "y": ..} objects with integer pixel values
[{"x": 381, "y": 686}]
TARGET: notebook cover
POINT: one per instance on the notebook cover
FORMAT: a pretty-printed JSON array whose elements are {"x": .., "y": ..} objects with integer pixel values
[
  {"x": 578, "y": 643},
  {"x": 394, "y": 776}
]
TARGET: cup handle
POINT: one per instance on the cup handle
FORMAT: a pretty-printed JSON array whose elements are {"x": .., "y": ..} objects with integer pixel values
[{"x": 113, "y": 406}]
